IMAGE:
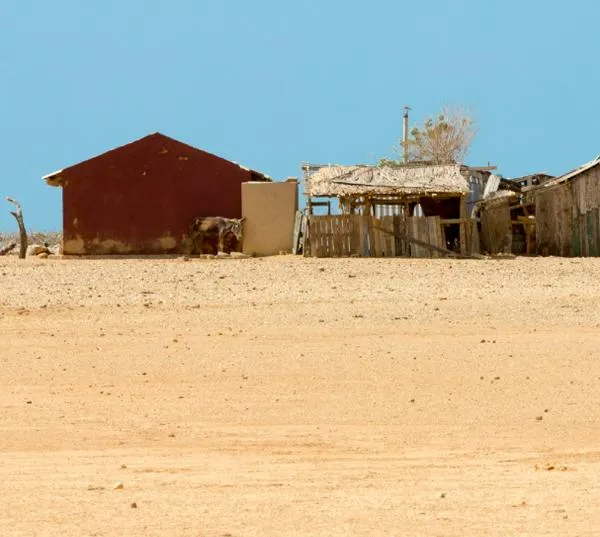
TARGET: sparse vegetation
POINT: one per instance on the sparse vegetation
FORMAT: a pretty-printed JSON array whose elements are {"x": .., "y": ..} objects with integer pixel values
[{"x": 443, "y": 139}]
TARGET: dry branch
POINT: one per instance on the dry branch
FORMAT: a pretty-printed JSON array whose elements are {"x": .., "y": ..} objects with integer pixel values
[
  {"x": 8, "y": 248},
  {"x": 18, "y": 214}
]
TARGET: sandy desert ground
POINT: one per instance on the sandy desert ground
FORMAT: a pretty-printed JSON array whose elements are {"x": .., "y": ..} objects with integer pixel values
[{"x": 299, "y": 397}]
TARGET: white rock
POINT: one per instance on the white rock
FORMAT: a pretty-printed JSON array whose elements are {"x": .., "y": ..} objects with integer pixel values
[{"x": 36, "y": 249}]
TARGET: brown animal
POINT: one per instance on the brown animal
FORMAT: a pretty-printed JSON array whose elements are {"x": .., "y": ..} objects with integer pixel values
[{"x": 214, "y": 234}]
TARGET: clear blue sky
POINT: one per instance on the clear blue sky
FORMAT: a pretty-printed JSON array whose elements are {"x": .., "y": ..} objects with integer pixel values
[{"x": 270, "y": 83}]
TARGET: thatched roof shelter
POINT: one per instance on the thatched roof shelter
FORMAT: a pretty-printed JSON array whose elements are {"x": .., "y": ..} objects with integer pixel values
[{"x": 349, "y": 181}]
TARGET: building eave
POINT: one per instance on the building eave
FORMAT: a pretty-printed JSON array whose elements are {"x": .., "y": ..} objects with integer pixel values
[{"x": 54, "y": 178}]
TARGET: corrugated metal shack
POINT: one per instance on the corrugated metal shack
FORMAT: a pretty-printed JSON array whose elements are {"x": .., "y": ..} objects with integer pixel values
[
  {"x": 568, "y": 213},
  {"x": 140, "y": 198}
]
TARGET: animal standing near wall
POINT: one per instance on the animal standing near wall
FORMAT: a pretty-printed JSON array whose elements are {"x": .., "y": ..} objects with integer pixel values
[{"x": 214, "y": 234}]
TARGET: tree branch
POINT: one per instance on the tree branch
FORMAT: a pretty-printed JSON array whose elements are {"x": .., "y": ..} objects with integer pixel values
[
  {"x": 18, "y": 214},
  {"x": 8, "y": 248}
]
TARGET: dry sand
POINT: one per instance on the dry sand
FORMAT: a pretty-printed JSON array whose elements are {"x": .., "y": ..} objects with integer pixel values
[{"x": 299, "y": 397}]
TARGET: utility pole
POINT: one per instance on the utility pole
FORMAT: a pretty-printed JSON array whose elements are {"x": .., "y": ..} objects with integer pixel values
[{"x": 405, "y": 135}]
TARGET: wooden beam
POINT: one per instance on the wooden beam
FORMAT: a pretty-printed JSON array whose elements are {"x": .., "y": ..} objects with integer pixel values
[
  {"x": 448, "y": 253},
  {"x": 448, "y": 221}
]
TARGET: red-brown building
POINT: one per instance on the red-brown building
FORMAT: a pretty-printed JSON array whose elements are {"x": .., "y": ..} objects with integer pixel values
[{"x": 141, "y": 198}]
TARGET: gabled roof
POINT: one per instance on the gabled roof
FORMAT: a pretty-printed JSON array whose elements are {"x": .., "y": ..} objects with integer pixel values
[
  {"x": 55, "y": 178},
  {"x": 573, "y": 173},
  {"x": 386, "y": 180}
]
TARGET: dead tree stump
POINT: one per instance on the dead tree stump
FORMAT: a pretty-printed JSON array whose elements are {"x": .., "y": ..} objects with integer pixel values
[{"x": 18, "y": 214}]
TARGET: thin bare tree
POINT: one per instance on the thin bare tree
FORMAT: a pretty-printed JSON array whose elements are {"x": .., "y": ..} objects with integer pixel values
[
  {"x": 443, "y": 139},
  {"x": 18, "y": 214}
]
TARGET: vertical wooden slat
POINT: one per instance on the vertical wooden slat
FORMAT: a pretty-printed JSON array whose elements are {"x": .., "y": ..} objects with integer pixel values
[
  {"x": 306, "y": 236},
  {"x": 376, "y": 235},
  {"x": 575, "y": 242},
  {"x": 324, "y": 238},
  {"x": 355, "y": 235},
  {"x": 350, "y": 234},
  {"x": 384, "y": 240},
  {"x": 341, "y": 229},
  {"x": 370, "y": 234},
  {"x": 424, "y": 234},
  {"x": 410, "y": 233},
  {"x": 591, "y": 233},
  {"x": 347, "y": 236},
  {"x": 331, "y": 236},
  {"x": 437, "y": 226},
  {"x": 318, "y": 238},
  {"x": 415, "y": 250},
  {"x": 397, "y": 234},
  {"x": 328, "y": 236},
  {"x": 362, "y": 235},
  {"x": 432, "y": 238},
  {"x": 583, "y": 235},
  {"x": 463, "y": 216},
  {"x": 391, "y": 239},
  {"x": 475, "y": 245},
  {"x": 405, "y": 233},
  {"x": 597, "y": 217},
  {"x": 314, "y": 236},
  {"x": 344, "y": 236},
  {"x": 340, "y": 236}
]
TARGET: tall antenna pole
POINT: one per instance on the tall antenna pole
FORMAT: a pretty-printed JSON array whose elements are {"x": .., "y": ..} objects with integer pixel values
[{"x": 405, "y": 135}]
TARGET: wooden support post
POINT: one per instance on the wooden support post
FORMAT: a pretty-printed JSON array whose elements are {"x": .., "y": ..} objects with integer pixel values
[
  {"x": 18, "y": 214},
  {"x": 405, "y": 224},
  {"x": 463, "y": 237},
  {"x": 297, "y": 237}
]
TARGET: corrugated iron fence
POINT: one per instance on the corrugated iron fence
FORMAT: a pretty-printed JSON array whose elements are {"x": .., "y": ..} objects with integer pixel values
[{"x": 368, "y": 236}]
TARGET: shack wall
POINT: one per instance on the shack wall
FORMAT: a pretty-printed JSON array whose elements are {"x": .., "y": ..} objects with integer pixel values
[
  {"x": 586, "y": 213},
  {"x": 496, "y": 228},
  {"x": 554, "y": 221}
]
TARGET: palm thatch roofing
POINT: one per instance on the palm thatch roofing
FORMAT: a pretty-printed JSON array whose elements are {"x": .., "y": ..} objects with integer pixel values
[{"x": 340, "y": 181}]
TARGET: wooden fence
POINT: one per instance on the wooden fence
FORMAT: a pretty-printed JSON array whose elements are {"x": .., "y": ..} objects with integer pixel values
[{"x": 387, "y": 236}]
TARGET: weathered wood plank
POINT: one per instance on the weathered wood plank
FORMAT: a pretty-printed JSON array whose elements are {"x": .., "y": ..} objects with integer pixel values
[
  {"x": 432, "y": 232},
  {"x": 475, "y": 240},
  {"x": 462, "y": 232},
  {"x": 591, "y": 233},
  {"x": 597, "y": 218}
]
